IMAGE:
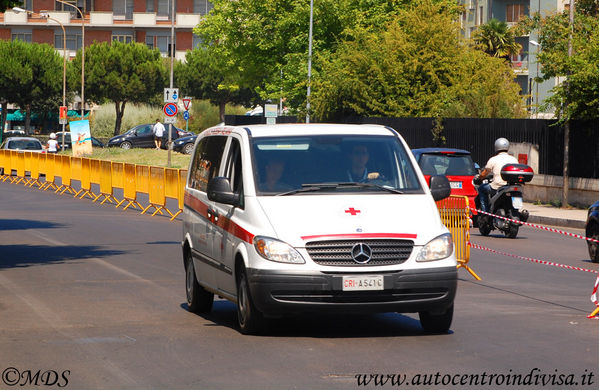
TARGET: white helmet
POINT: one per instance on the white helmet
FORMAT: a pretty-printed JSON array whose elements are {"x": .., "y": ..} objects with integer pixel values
[
  {"x": 501, "y": 144},
  {"x": 52, "y": 135}
]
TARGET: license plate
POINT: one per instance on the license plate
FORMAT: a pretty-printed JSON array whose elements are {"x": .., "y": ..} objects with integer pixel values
[
  {"x": 455, "y": 185},
  {"x": 517, "y": 202},
  {"x": 363, "y": 283}
]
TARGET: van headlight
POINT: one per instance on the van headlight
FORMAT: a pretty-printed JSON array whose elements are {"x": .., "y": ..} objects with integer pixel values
[
  {"x": 275, "y": 250},
  {"x": 436, "y": 249}
]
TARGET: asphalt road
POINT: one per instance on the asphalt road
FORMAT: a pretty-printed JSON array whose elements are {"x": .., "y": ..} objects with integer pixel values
[{"x": 96, "y": 295}]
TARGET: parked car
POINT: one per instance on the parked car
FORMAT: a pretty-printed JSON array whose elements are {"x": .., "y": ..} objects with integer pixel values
[
  {"x": 592, "y": 231},
  {"x": 185, "y": 144},
  {"x": 287, "y": 219},
  {"x": 96, "y": 143},
  {"x": 141, "y": 136},
  {"x": 456, "y": 164},
  {"x": 28, "y": 144}
]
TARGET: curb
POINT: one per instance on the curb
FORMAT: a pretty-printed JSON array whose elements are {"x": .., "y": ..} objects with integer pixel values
[{"x": 571, "y": 223}]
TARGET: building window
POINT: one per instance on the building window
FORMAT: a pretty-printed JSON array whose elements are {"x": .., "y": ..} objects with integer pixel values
[
  {"x": 25, "y": 37},
  {"x": 73, "y": 41},
  {"x": 514, "y": 12},
  {"x": 122, "y": 9},
  {"x": 83, "y": 5},
  {"x": 27, "y": 4},
  {"x": 202, "y": 7},
  {"x": 150, "y": 6},
  {"x": 123, "y": 38},
  {"x": 160, "y": 42},
  {"x": 480, "y": 15}
]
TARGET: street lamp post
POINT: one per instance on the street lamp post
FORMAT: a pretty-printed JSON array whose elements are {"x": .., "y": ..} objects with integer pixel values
[
  {"x": 309, "y": 62},
  {"x": 82, "y": 55},
  {"x": 172, "y": 54},
  {"x": 44, "y": 14}
]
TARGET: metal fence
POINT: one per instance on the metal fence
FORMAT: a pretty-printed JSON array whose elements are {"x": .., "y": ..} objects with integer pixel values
[{"x": 479, "y": 135}]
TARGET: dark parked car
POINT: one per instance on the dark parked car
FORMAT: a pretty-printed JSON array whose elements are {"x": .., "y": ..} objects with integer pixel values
[
  {"x": 592, "y": 231},
  {"x": 185, "y": 144},
  {"x": 96, "y": 143},
  {"x": 456, "y": 164},
  {"x": 141, "y": 136}
]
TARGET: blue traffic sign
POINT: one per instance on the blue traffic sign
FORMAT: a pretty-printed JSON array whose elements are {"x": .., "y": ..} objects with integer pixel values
[
  {"x": 186, "y": 115},
  {"x": 170, "y": 109},
  {"x": 174, "y": 96}
]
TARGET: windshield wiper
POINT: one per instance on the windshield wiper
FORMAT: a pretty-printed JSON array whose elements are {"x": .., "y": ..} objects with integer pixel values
[{"x": 326, "y": 186}]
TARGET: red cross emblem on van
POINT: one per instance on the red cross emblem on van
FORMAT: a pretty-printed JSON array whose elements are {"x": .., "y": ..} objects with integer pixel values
[{"x": 352, "y": 211}]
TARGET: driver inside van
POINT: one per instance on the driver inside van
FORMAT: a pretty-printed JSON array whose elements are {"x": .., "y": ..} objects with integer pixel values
[
  {"x": 358, "y": 172},
  {"x": 272, "y": 179}
]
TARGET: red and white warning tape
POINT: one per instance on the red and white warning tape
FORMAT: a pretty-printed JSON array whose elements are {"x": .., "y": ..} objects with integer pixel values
[
  {"x": 539, "y": 226},
  {"x": 593, "y": 295}
]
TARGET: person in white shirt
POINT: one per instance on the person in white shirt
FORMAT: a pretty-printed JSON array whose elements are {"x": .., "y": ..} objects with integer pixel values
[
  {"x": 494, "y": 166},
  {"x": 52, "y": 144},
  {"x": 158, "y": 131}
]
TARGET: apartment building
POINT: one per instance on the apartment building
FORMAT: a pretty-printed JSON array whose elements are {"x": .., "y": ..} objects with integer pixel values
[
  {"x": 146, "y": 21},
  {"x": 525, "y": 65}
]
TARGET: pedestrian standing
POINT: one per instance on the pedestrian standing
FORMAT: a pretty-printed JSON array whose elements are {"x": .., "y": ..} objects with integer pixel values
[
  {"x": 158, "y": 131},
  {"x": 52, "y": 144}
]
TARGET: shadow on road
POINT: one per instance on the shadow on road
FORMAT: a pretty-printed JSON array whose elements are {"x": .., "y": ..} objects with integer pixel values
[
  {"x": 27, "y": 255},
  {"x": 322, "y": 326},
  {"x": 24, "y": 224}
]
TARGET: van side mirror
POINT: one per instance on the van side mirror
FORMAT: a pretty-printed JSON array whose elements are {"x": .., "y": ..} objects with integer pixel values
[
  {"x": 219, "y": 190},
  {"x": 440, "y": 188}
]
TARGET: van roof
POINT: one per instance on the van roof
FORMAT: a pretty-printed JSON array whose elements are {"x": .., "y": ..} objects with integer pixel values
[{"x": 298, "y": 129}]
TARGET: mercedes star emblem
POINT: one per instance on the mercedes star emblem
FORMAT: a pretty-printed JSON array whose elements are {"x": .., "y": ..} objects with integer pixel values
[{"x": 361, "y": 253}]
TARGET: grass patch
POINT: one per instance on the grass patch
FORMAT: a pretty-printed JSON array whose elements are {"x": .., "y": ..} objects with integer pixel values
[{"x": 140, "y": 156}]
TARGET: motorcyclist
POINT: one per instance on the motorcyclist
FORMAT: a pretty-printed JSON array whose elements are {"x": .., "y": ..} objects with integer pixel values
[{"x": 493, "y": 167}]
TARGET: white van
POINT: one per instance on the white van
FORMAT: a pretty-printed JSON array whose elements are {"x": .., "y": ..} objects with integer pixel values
[{"x": 296, "y": 218}]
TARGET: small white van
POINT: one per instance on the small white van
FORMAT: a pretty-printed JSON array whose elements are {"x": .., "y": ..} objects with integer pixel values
[{"x": 297, "y": 218}]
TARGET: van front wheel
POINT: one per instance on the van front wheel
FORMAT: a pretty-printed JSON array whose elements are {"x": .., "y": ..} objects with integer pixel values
[
  {"x": 436, "y": 323},
  {"x": 249, "y": 318}
]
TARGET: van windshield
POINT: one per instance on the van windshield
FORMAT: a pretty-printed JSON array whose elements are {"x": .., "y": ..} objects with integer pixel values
[{"x": 332, "y": 163}]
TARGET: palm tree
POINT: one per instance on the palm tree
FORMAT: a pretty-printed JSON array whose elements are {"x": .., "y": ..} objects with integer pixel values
[{"x": 497, "y": 39}]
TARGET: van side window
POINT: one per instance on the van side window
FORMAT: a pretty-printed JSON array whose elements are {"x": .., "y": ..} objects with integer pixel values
[
  {"x": 233, "y": 168},
  {"x": 206, "y": 162}
]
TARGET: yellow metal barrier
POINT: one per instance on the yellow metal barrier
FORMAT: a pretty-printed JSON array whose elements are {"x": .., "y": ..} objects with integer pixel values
[
  {"x": 159, "y": 183},
  {"x": 50, "y": 169},
  {"x": 129, "y": 187},
  {"x": 3, "y": 165},
  {"x": 33, "y": 164},
  {"x": 86, "y": 179},
  {"x": 64, "y": 162},
  {"x": 454, "y": 213},
  {"x": 105, "y": 182},
  {"x": 157, "y": 193}
]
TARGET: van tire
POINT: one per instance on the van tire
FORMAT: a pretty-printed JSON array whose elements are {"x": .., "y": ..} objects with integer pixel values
[
  {"x": 436, "y": 323},
  {"x": 199, "y": 300},
  {"x": 249, "y": 318}
]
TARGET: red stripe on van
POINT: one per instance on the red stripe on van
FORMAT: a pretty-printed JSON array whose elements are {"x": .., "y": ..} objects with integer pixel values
[
  {"x": 362, "y": 235},
  {"x": 223, "y": 222}
]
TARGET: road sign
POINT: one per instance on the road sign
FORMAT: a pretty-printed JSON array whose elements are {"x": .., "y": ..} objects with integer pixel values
[
  {"x": 186, "y": 115},
  {"x": 187, "y": 103},
  {"x": 62, "y": 117},
  {"x": 171, "y": 95},
  {"x": 170, "y": 109},
  {"x": 270, "y": 110},
  {"x": 170, "y": 119}
]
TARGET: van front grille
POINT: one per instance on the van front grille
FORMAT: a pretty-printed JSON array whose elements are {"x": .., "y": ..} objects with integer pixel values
[{"x": 339, "y": 252}]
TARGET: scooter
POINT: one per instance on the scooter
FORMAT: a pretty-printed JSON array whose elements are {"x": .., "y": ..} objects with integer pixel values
[{"x": 506, "y": 202}]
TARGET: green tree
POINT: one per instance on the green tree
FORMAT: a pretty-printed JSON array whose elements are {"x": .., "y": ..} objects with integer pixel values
[
  {"x": 578, "y": 97},
  {"x": 202, "y": 76},
  {"x": 6, "y": 4},
  {"x": 497, "y": 39},
  {"x": 121, "y": 73},
  {"x": 265, "y": 42},
  {"x": 417, "y": 66},
  {"x": 31, "y": 77}
]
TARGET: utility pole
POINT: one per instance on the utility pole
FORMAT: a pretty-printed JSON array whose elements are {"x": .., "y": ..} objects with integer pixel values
[
  {"x": 566, "y": 178},
  {"x": 170, "y": 126}
]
